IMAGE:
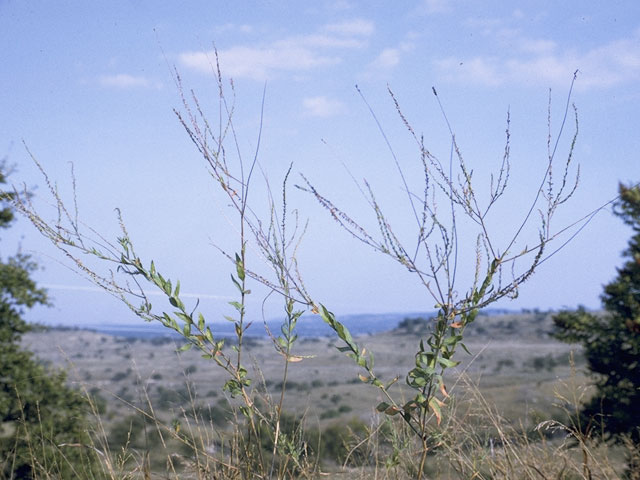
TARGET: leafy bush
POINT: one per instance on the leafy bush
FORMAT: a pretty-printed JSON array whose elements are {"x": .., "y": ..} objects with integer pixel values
[
  {"x": 40, "y": 416},
  {"x": 612, "y": 341}
]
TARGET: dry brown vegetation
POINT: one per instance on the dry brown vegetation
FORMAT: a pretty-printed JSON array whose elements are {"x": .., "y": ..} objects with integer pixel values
[{"x": 510, "y": 400}]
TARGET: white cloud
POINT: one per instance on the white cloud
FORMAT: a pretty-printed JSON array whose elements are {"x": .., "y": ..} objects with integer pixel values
[
  {"x": 435, "y": 6},
  {"x": 543, "y": 63},
  {"x": 537, "y": 47},
  {"x": 358, "y": 27},
  {"x": 388, "y": 58},
  {"x": 123, "y": 80},
  {"x": 291, "y": 54},
  {"x": 322, "y": 106},
  {"x": 84, "y": 288},
  {"x": 340, "y": 5},
  {"x": 258, "y": 63},
  {"x": 323, "y": 41},
  {"x": 232, "y": 28}
]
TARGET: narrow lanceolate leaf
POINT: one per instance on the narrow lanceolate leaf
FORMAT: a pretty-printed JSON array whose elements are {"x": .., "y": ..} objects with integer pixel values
[
  {"x": 236, "y": 283},
  {"x": 327, "y": 316},
  {"x": 445, "y": 362},
  {"x": 392, "y": 410},
  {"x": 382, "y": 406},
  {"x": 240, "y": 268},
  {"x": 185, "y": 347},
  {"x": 433, "y": 403},
  {"x": 209, "y": 334},
  {"x": 236, "y": 305},
  {"x": 200, "y": 322},
  {"x": 443, "y": 389},
  {"x": 452, "y": 340}
]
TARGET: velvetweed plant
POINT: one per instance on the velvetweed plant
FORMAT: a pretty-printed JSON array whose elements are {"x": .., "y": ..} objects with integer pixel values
[
  {"x": 127, "y": 276},
  {"x": 432, "y": 257}
]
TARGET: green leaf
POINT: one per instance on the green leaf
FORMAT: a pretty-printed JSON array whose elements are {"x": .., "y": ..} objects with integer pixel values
[
  {"x": 240, "y": 268},
  {"x": 327, "y": 316},
  {"x": 452, "y": 340},
  {"x": 382, "y": 406},
  {"x": 236, "y": 305},
  {"x": 236, "y": 283},
  {"x": 200, "y": 322},
  {"x": 418, "y": 382},
  {"x": 185, "y": 347},
  {"x": 445, "y": 362},
  {"x": 209, "y": 335}
]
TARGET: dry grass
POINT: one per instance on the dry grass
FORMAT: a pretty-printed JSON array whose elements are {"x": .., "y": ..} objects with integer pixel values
[{"x": 487, "y": 432}]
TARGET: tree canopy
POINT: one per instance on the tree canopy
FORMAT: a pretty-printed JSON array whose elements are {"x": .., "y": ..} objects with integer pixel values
[
  {"x": 612, "y": 340},
  {"x": 39, "y": 413}
]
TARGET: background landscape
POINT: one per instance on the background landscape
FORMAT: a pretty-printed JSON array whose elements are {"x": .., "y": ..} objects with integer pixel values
[
  {"x": 291, "y": 192},
  {"x": 513, "y": 362}
]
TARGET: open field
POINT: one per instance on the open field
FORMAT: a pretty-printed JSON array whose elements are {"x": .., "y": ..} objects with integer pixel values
[
  {"x": 514, "y": 365},
  {"x": 513, "y": 361}
]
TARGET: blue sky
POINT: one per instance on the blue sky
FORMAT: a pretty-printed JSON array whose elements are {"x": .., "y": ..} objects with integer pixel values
[{"x": 92, "y": 83}]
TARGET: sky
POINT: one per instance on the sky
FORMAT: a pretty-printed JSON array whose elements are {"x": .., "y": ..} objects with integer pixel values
[{"x": 93, "y": 85}]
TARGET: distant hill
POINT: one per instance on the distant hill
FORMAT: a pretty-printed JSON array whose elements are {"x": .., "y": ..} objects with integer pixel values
[{"x": 358, "y": 324}]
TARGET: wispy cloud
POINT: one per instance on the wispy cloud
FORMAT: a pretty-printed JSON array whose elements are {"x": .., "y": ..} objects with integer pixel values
[
  {"x": 388, "y": 58},
  {"x": 542, "y": 62},
  {"x": 124, "y": 80},
  {"x": 258, "y": 63},
  {"x": 358, "y": 27},
  {"x": 233, "y": 28},
  {"x": 339, "y": 5},
  {"x": 391, "y": 57},
  {"x": 434, "y": 6},
  {"x": 84, "y": 288},
  {"x": 290, "y": 54},
  {"x": 322, "y": 106}
]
